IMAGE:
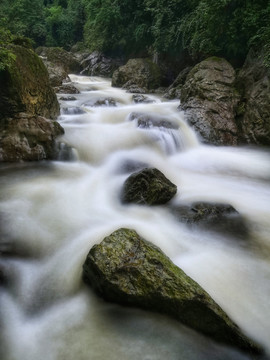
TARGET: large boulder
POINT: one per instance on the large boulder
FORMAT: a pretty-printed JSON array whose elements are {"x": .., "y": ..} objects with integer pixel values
[
  {"x": 28, "y": 137},
  {"x": 126, "y": 269},
  {"x": 253, "y": 82},
  {"x": 140, "y": 72},
  {"x": 97, "y": 63},
  {"x": 26, "y": 100},
  {"x": 59, "y": 63},
  {"x": 210, "y": 101},
  {"x": 149, "y": 187}
]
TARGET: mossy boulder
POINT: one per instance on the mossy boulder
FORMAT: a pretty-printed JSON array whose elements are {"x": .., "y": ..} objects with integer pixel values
[
  {"x": 126, "y": 269},
  {"x": 25, "y": 86},
  {"x": 140, "y": 72},
  {"x": 210, "y": 101},
  {"x": 27, "y": 100},
  {"x": 148, "y": 186}
]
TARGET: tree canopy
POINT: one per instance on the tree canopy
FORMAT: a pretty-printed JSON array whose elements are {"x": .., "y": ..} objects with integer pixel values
[{"x": 201, "y": 27}]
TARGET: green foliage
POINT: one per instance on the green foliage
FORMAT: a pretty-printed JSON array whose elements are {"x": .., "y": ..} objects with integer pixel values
[
  {"x": 6, "y": 55},
  {"x": 202, "y": 27}
]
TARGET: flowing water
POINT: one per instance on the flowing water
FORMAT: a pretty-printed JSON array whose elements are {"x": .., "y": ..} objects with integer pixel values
[{"x": 53, "y": 212}]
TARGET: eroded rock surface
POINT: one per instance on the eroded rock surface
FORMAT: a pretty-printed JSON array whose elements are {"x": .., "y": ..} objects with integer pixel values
[
  {"x": 142, "y": 73},
  {"x": 126, "y": 269},
  {"x": 210, "y": 101},
  {"x": 27, "y": 100},
  {"x": 148, "y": 186},
  {"x": 253, "y": 82}
]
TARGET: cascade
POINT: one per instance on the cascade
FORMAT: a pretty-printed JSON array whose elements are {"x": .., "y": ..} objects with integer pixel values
[{"x": 53, "y": 212}]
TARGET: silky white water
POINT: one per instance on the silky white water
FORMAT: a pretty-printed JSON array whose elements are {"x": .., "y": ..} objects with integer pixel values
[{"x": 53, "y": 212}]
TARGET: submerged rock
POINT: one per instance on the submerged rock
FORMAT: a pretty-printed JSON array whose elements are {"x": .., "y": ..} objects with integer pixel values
[
  {"x": 222, "y": 218},
  {"x": 140, "y": 72},
  {"x": 148, "y": 186},
  {"x": 66, "y": 88},
  {"x": 210, "y": 101},
  {"x": 145, "y": 120},
  {"x": 126, "y": 269},
  {"x": 142, "y": 99}
]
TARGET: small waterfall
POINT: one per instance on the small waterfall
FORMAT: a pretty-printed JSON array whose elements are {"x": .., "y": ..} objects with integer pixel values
[{"x": 52, "y": 213}]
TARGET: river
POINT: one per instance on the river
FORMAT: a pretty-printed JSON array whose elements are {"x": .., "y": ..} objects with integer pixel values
[{"x": 52, "y": 212}]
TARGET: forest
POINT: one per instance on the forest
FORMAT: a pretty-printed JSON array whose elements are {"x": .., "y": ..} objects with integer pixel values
[{"x": 226, "y": 28}]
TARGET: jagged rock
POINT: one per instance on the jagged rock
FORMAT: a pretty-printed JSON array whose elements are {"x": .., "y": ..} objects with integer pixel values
[
  {"x": 98, "y": 64},
  {"x": 148, "y": 186},
  {"x": 132, "y": 88},
  {"x": 174, "y": 90},
  {"x": 126, "y": 269},
  {"x": 142, "y": 99},
  {"x": 142, "y": 73},
  {"x": 105, "y": 102},
  {"x": 151, "y": 120},
  {"x": 66, "y": 89},
  {"x": 59, "y": 63},
  {"x": 210, "y": 101},
  {"x": 28, "y": 137},
  {"x": 253, "y": 82},
  {"x": 26, "y": 99},
  {"x": 213, "y": 216},
  {"x": 25, "y": 86},
  {"x": 67, "y": 98}
]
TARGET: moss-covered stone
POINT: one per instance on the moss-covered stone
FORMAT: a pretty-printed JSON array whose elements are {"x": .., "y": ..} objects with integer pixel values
[
  {"x": 148, "y": 186},
  {"x": 25, "y": 86},
  {"x": 27, "y": 100},
  {"x": 127, "y": 269},
  {"x": 140, "y": 72}
]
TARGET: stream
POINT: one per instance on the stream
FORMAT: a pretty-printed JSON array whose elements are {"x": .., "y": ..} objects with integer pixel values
[{"x": 53, "y": 212}]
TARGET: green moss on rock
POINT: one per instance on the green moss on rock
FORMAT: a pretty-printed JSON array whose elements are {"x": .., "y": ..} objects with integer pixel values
[{"x": 126, "y": 269}]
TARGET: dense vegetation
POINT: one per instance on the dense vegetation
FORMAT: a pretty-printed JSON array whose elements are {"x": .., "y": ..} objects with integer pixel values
[{"x": 201, "y": 27}]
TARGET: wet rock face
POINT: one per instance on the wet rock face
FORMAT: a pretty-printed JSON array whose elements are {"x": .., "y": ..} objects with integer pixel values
[
  {"x": 148, "y": 186},
  {"x": 142, "y": 73},
  {"x": 97, "y": 63},
  {"x": 25, "y": 87},
  {"x": 210, "y": 101},
  {"x": 127, "y": 269},
  {"x": 26, "y": 100},
  {"x": 59, "y": 63},
  {"x": 253, "y": 82},
  {"x": 28, "y": 137},
  {"x": 221, "y": 218}
]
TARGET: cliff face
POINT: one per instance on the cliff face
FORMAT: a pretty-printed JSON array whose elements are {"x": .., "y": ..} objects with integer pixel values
[{"x": 27, "y": 101}]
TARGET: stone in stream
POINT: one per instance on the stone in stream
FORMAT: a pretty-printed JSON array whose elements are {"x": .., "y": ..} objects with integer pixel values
[
  {"x": 148, "y": 186},
  {"x": 126, "y": 269}
]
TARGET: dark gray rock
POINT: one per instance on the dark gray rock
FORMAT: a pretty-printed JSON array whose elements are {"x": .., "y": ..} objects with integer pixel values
[
  {"x": 127, "y": 269},
  {"x": 66, "y": 88},
  {"x": 28, "y": 137},
  {"x": 142, "y": 99},
  {"x": 151, "y": 120},
  {"x": 222, "y": 218},
  {"x": 253, "y": 82},
  {"x": 210, "y": 101},
  {"x": 59, "y": 63},
  {"x": 97, "y": 63},
  {"x": 149, "y": 187},
  {"x": 141, "y": 73},
  {"x": 67, "y": 98},
  {"x": 174, "y": 90}
]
